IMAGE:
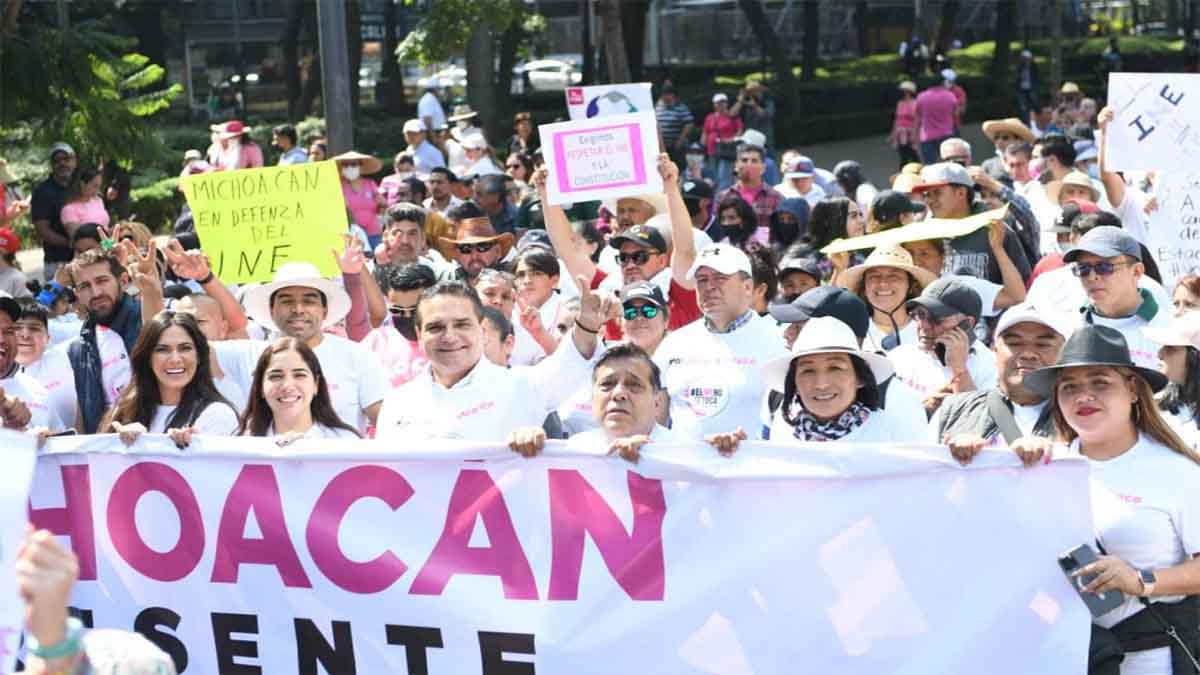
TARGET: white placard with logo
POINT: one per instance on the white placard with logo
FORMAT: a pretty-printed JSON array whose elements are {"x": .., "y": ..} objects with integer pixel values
[
  {"x": 604, "y": 100},
  {"x": 602, "y": 158}
]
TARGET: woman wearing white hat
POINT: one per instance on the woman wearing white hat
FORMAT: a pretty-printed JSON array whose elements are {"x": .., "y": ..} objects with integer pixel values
[
  {"x": 885, "y": 281},
  {"x": 1180, "y": 361}
]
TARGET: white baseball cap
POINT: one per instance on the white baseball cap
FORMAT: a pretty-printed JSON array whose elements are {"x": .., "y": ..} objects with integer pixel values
[
  {"x": 753, "y": 137},
  {"x": 723, "y": 258},
  {"x": 949, "y": 75},
  {"x": 414, "y": 126},
  {"x": 1026, "y": 312},
  {"x": 720, "y": 97}
]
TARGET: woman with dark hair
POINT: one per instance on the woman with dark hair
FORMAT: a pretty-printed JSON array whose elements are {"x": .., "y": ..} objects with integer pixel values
[
  {"x": 83, "y": 203},
  {"x": 519, "y": 165},
  {"x": 788, "y": 223},
  {"x": 1186, "y": 297},
  {"x": 738, "y": 220},
  {"x": 523, "y": 141},
  {"x": 289, "y": 398},
  {"x": 1144, "y": 502},
  {"x": 887, "y": 280},
  {"x": 171, "y": 389},
  {"x": 1180, "y": 361}
]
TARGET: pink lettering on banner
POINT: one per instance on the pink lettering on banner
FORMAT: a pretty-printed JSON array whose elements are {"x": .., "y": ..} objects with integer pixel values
[
  {"x": 614, "y": 134},
  {"x": 127, "y": 490},
  {"x": 256, "y": 489},
  {"x": 1130, "y": 499},
  {"x": 476, "y": 496},
  {"x": 634, "y": 559},
  {"x": 321, "y": 536},
  {"x": 471, "y": 412},
  {"x": 74, "y": 518}
]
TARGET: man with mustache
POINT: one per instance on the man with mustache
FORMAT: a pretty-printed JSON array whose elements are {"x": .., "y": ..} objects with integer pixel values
[{"x": 1027, "y": 338}]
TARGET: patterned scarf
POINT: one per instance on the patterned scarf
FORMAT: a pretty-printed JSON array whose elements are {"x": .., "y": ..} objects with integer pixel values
[{"x": 809, "y": 428}]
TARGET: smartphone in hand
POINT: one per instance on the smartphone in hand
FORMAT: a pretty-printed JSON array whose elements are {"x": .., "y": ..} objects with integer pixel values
[{"x": 1097, "y": 603}]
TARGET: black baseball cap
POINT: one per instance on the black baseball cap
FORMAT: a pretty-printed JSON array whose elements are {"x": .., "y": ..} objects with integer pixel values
[
  {"x": 643, "y": 290},
  {"x": 646, "y": 236},
  {"x": 946, "y": 297},
  {"x": 825, "y": 301},
  {"x": 889, "y": 205},
  {"x": 803, "y": 264},
  {"x": 697, "y": 189},
  {"x": 1105, "y": 241}
]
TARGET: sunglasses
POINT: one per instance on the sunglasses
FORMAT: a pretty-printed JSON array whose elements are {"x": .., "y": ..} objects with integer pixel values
[
  {"x": 637, "y": 257},
  {"x": 646, "y": 311},
  {"x": 481, "y": 247},
  {"x": 922, "y": 315},
  {"x": 1103, "y": 269},
  {"x": 402, "y": 311},
  {"x": 514, "y": 165}
]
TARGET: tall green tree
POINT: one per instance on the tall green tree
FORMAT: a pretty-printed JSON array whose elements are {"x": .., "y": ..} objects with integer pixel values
[
  {"x": 81, "y": 84},
  {"x": 781, "y": 65}
]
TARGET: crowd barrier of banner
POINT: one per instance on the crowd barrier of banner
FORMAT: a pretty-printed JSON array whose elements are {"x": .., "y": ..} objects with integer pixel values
[{"x": 236, "y": 556}]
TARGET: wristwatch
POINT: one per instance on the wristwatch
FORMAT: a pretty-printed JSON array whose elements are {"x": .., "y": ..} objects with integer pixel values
[{"x": 1148, "y": 581}]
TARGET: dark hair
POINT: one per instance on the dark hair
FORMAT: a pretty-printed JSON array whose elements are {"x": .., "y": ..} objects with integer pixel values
[
  {"x": 586, "y": 229},
  {"x": 627, "y": 351},
  {"x": 1058, "y": 147},
  {"x": 410, "y": 277},
  {"x": 785, "y": 234},
  {"x": 1190, "y": 283},
  {"x": 402, "y": 156},
  {"x": 828, "y": 221},
  {"x": 762, "y": 266},
  {"x": 85, "y": 231},
  {"x": 271, "y": 300},
  {"x": 32, "y": 309},
  {"x": 258, "y": 418},
  {"x": 452, "y": 288},
  {"x": 748, "y": 148},
  {"x": 1178, "y": 398},
  {"x": 500, "y": 322},
  {"x": 407, "y": 211},
  {"x": 539, "y": 259},
  {"x": 525, "y": 160},
  {"x": 82, "y": 175},
  {"x": 99, "y": 256},
  {"x": 1081, "y": 225},
  {"x": 491, "y": 184},
  {"x": 464, "y": 211},
  {"x": 417, "y": 186},
  {"x": 1019, "y": 148},
  {"x": 321, "y": 144},
  {"x": 868, "y": 393},
  {"x": 444, "y": 172},
  {"x": 141, "y": 398},
  {"x": 286, "y": 131},
  {"x": 738, "y": 237}
]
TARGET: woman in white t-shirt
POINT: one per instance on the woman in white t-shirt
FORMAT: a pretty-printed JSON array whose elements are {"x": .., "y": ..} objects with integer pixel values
[
  {"x": 1180, "y": 360},
  {"x": 171, "y": 388},
  {"x": 886, "y": 280},
  {"x": 289, "y": 399},
  {"x": 1145, "y": 507}
]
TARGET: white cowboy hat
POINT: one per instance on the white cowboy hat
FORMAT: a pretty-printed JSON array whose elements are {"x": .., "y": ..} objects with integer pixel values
[
  {"x": 825, "y": 335},
  {"x": 657, "y": 201},
  {"x": 258, "y": 300}
]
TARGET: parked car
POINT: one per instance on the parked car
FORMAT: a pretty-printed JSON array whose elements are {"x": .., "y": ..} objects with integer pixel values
[
  {"x": 546, "y": 75},
  {"x": 454, "y": 78}
]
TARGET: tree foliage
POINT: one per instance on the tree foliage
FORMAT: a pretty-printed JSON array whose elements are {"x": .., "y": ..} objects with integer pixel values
[
  {"x": 83, "y": 85},
  {"x": 447, "y": 25}
]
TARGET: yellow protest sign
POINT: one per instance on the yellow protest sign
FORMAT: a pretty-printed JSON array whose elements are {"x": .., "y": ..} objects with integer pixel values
[
  {"x": 254, "y": 220},
  {"x": 933, "y": 228}
]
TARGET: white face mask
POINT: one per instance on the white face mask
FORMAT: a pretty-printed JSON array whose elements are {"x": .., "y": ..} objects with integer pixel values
[{"x": 350, "y": 173}]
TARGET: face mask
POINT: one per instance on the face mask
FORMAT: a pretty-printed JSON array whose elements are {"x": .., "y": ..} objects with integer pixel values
[
  {"x": 1094, "y": 171},
  {"x": 407, "y": 326},
  {"x": 694, "y": 160},
  {"x": 350, "y": 173}
]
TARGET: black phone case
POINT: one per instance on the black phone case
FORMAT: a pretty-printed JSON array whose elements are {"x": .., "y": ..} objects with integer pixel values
[{"x": 1097, "y": 603}]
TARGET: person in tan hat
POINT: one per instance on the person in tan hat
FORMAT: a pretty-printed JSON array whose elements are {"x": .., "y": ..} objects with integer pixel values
[
  {"x": 474, "y": 246},
  {"x": 364, "y": 199},
  {"x": 1003, "y": 133},
  {"x": 1075, "y": 185},
  {"x": 885, "y": 281}
]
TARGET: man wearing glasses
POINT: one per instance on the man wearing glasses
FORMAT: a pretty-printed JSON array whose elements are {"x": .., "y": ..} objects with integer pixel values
[
  {"x": 1108, "y": 263},
  {"x": 475, "y": 246}
]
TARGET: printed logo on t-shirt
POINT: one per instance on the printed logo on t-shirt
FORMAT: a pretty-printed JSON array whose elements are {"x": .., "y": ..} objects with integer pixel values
[{"x": 706, "y": 401}]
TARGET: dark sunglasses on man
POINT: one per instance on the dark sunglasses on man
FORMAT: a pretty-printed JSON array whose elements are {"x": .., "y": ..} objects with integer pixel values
[
  {"x": 1103, "y": 269},
  {"x": 479, "y": 247},
  {"x": 646, "y": 311},
  {"x": 637, "y": 257}
]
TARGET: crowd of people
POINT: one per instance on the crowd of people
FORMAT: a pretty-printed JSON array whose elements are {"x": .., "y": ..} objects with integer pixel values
[{"x": 470, "y": 307}]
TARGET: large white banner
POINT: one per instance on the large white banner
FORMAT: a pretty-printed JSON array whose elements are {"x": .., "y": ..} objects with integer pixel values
[
  {"x": 19, "y": 458},
  {"x": 340, "y": 557},
  {"x": 1174, "y": 229},
  {"x": 1154, "y": 126}
]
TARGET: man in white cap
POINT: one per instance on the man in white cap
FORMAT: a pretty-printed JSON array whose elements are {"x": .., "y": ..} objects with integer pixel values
[
  {"x": 712, "y": 368},
  {"x": 300, "y": 303},
  {"x": 425, "y": 156},
  {"x": 1027, "y": 338},
  {"x": 799, "y": 180},
  {"x": 430, "y": 113}
]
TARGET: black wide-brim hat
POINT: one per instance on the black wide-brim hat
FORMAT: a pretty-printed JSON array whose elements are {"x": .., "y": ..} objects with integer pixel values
[{"x": 1092, "y": 346}]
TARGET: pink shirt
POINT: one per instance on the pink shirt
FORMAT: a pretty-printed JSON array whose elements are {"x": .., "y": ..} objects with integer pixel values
[
  {"x": 402, "y": 360},
  {"x": 362, "y": 204},
  {"x": 937, "y": 107},
  {"x": 718, "y": 127},
  {"x": 91, "y": 211}
]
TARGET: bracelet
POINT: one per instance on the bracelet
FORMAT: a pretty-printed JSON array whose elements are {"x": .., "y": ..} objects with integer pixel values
[
  {"x": 586, "y": 329},
  {"x": 205, "y": 280},
  {"x": 69, "y": 645}
]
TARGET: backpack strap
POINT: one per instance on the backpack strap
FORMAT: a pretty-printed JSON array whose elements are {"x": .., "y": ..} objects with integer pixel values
[{"x": 1002, "y": 416}]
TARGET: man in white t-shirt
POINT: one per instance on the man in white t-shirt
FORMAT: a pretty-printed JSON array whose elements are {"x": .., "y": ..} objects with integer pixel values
[
  {"x": 799, "y": 180},
  {"x": 464, "y": 395},
  {"x": 300, "y": 303},
  {"x": 1027, "y": 338},
  {"x": 1108, "y": 263},
  {"x": 946, "y": 358},
  {"x": 23, "y": 401},
  {"x": 712, "y": 368},
  {"x": 47, "y": 366},
  {"x": 429, "y": 109}
]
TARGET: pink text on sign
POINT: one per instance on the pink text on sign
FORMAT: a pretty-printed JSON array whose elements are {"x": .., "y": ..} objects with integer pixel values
[{"x": 599, "y": 158}]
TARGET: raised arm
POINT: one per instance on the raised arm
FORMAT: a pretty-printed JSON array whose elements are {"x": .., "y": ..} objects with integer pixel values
[
  {"x": 1013, "y": 291},
  {"x": 352, "y": 262},
  {"x": 683, "y": 242},
  {"x": 1114, "y": 185},
  {"x": 194, "y": 265},
  {"x": 561, "y": 238}
]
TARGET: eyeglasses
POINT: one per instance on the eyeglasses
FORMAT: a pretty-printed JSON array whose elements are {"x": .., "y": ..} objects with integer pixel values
[
  {"x": 514, "y": 165},
  {"x": 961, "y": 161},
  {"x": 637, "y": 258},
  {"x": 922, "y": 315},
  {"x": 480, "y": 247},
  {"x": 647, "y": 311},
  {"x": 402, "y": 311},
  {"x": 1103, "y": 269}
]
